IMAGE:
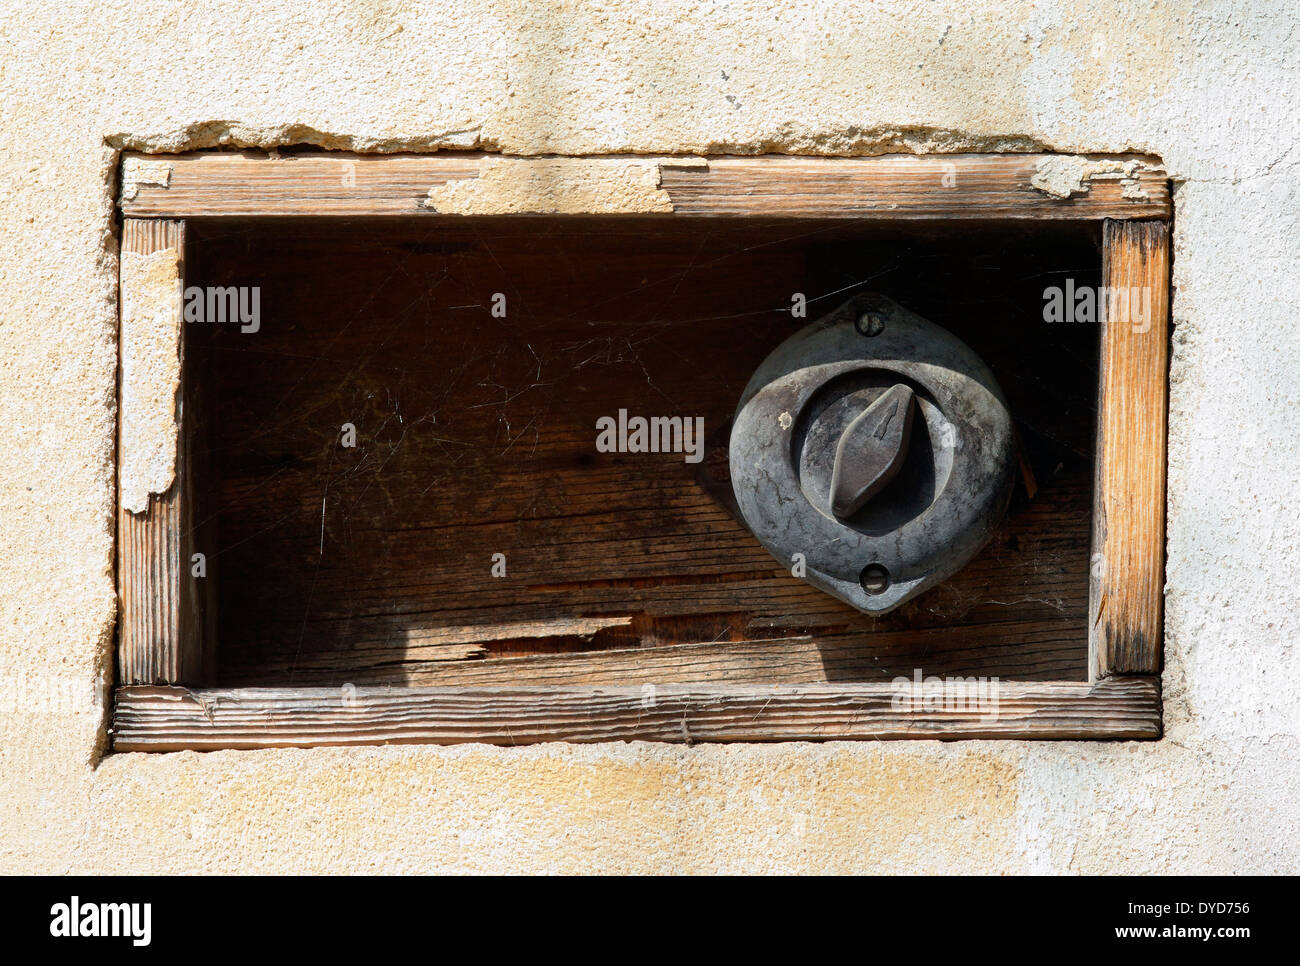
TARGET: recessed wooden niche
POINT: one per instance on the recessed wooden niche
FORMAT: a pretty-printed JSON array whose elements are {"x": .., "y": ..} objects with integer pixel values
[{"x": 354, "y": 594}]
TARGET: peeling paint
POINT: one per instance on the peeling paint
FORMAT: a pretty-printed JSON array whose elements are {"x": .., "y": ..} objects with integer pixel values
[
  {"x": 151, "y": 374},
  {"x": 138, "y": 171},
  {"x": 1062, "y": 176},
  {"x": 560, "y": 186}
]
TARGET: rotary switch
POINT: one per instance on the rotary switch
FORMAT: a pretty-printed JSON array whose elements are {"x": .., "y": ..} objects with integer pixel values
[{"x": 878, "y": 446}]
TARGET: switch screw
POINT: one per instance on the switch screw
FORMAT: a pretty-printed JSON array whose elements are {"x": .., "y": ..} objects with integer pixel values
[
  {"x": 874, "y": 579},
  {"x": 871, "y": 323}
]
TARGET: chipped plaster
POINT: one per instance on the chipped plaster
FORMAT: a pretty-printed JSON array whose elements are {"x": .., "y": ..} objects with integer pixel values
[
  {"x": 138, "y": 171},
  {"x": 1065, "y": 175},
  {"x": 151, "y": 374},
  {"x": 1212, "y": 88}
]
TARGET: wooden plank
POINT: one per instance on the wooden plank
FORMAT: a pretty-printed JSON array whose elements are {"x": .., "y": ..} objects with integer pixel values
[
  {"x": 476, "y": 435},
  {"x": 173, "y": 719},
  {"x": 1022, "y": 650},
  {"x": 1127, "y": 591},
  {"x": 939, "y": 187},
  {"x": 1015, "y": 652},
  {"x": 220, "y": 184},
  {"x": 162, "y": 609}
]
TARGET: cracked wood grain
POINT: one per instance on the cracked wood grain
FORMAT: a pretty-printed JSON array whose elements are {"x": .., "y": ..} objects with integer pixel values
[
  {"x": 962, "y": 187},
  {"x": 165, "y": 614},
  {"x": 1127, "y": 592},
  {"x": 174, "y": 719},
  {"x": 370, "y": 565}
]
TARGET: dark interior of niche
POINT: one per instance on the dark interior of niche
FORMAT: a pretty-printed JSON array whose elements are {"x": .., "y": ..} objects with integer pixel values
[{"x": 475, "y": 436}]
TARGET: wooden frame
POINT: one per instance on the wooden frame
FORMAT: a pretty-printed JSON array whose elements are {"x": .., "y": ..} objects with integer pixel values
[
  {"x": 171, "y": 719},
  {"x": 896, "y": 187},
  {"x": 166, "y": 619},
  {"x": 1127, "y": 589},
  {"x": 164, "y": 659}
]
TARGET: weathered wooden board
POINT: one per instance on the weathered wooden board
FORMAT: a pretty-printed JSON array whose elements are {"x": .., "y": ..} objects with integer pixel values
[
  {"x": 1127, "y": 597},
  {"x": 167, "y": 618},
  {"x": 174, "y": 719},
  {"x": 476, "y": 436},
  {"x": 899, "y": 187}
]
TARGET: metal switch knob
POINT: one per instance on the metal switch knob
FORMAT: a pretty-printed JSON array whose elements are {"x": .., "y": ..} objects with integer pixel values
[{"x": 871, "y": 451}]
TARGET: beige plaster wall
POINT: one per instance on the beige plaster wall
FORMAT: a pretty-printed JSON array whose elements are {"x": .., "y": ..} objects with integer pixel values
[{"x": 1213, "y": 87}]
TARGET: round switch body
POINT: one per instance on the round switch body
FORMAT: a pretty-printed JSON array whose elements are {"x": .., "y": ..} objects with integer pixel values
[{"x": 878, "y": 446}]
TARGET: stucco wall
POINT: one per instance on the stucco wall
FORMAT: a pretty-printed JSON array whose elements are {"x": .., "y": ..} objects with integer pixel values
[{"x": 1212, "y": 87}]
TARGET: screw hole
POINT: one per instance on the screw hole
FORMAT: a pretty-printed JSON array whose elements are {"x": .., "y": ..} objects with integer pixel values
[{"x": 874, "y": 579}]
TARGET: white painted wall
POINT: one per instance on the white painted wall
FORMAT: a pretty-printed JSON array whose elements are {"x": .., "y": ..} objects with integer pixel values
[{"x": 1212, "y": 87}]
